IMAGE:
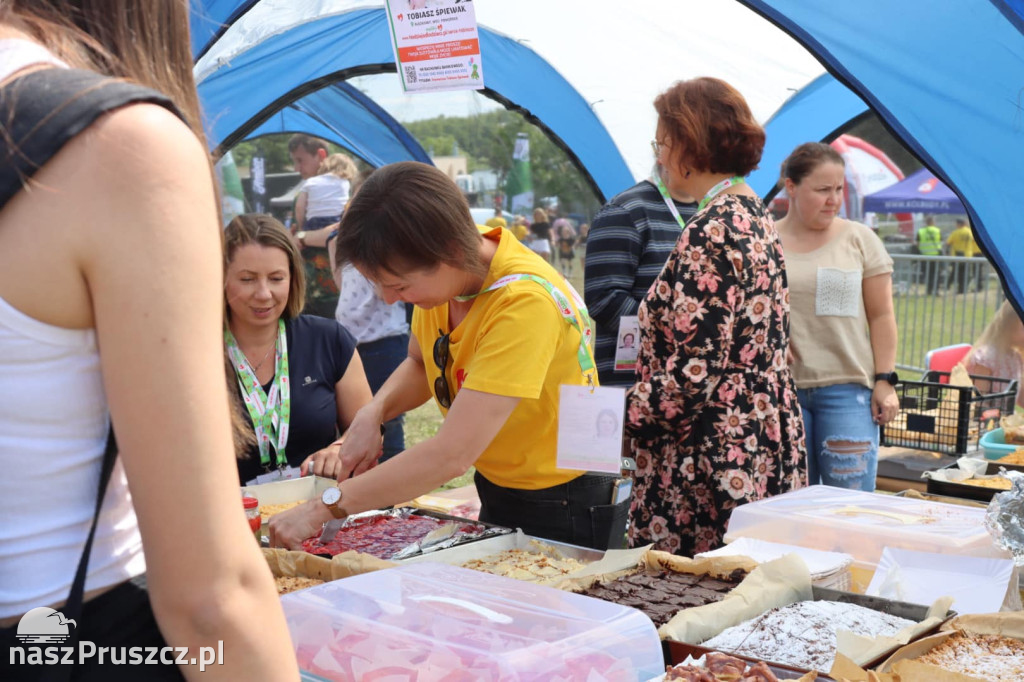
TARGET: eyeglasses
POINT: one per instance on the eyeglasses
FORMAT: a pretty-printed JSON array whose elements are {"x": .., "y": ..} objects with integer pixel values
[
  {"x": 441, "y": 389},
  {"x": 656, "y": 147}
]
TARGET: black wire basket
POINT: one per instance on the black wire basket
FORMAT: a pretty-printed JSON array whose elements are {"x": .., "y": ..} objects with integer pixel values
[{"x": 939, "y": 417}]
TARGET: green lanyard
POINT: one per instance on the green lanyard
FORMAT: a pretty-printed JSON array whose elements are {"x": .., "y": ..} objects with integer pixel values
[
  {"x": 712, "y": 193},
  {"x": 586, "y": 329},
  {"x": 271, "y": 413}
]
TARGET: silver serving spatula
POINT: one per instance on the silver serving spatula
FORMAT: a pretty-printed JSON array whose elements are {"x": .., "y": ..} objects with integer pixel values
[
  {"x": 331, "y": 529},
  {"x": 434, "y": 537}
]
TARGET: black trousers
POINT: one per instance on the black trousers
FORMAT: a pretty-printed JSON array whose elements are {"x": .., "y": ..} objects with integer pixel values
[
  {"x": 578, "y": 512},
  {"x": 932, "y": 275},
  {"x": 121, "y": 617}
]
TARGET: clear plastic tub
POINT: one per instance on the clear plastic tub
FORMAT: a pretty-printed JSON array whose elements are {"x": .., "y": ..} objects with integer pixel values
[
  {"x": 862, "y": 524},
  {"x": 428, "y": 621}
]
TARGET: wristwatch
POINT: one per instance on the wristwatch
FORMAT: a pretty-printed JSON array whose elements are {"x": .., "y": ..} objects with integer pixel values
[
  {"x": 301, "y": 236},
  {"x": 332, "y": 500},
  {"x": 890, "y": 377}
]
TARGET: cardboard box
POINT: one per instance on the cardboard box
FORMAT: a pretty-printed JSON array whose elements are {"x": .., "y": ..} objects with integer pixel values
[{"x": 292, "y": 490}]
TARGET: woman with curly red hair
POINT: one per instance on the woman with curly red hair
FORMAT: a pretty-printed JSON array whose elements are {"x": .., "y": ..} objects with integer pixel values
[{"x": 713, "y": 418}]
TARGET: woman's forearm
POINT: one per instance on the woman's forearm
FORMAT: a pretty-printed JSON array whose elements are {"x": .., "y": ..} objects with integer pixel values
[{"x": 883, "y": 335}]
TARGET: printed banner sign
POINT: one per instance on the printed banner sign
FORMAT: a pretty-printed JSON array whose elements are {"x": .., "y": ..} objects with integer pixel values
[{"x": 436, "y": 44}]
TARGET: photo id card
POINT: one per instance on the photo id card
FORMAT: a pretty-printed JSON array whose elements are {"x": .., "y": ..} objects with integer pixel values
[
  {"x": 276, "y": 475},
  {"x": 627, "y": 343},
  {"x": 590, "y": 428}
]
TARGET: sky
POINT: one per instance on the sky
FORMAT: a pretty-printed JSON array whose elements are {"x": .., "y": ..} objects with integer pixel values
[{"x": 386, "y": 91}]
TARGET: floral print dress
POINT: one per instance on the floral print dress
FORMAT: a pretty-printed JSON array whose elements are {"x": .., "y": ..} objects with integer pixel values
[{"x": 713, "y": 419}]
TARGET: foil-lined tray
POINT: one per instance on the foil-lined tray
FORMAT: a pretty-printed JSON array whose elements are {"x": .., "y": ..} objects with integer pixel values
[{"x": 403, "y": 532}]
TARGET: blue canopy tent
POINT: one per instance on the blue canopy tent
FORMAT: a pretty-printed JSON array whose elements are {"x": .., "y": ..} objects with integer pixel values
[
  {"x": 919, "y": 192},
  {"x": 210, "y": 18},
  {"x": 310, "y": 55},
  {"x": 820, "y": 111},
  {"x": 344, "y": 115},
  {"x": 952, "y": 97}
]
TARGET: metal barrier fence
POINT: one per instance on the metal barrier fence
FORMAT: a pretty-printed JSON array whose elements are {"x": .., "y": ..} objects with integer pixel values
[{"x": 939, "y": 301}]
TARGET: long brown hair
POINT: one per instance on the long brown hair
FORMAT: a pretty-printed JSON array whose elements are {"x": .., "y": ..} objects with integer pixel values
[
  {"x": 145, "y": 41},
  {"x": 266, "y": 230}
]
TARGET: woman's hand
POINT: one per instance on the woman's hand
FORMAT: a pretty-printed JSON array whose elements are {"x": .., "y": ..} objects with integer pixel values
[
  {"x": 290, "y": 528},
  {"x": 884, "y": 403},
  {"x": 325, "y": 462},
  {"x": 361, "y": 445}
]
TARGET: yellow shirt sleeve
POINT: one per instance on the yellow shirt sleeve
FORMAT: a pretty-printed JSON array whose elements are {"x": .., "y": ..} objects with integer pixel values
[{"x": 516, "y": 343}]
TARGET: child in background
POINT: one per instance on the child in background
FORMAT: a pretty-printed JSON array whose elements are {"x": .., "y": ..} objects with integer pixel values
[
  {"x": 317, "y": 208},
  {"x": 323, "y": 197},
  {"x": 997, "y": 352}
]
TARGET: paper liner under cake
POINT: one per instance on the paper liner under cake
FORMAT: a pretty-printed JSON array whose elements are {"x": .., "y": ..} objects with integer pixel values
[
  {"x": 779, "y": 583},
  {"x": 640, "y": 582},
  {"x": 907, "y": 664},
  {"x": 285, "y": 563}
]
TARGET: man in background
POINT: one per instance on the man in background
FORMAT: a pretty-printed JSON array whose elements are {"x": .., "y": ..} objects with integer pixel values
[
  {"x": 929, "y": 243},
  {"x": 961, "y": 243},
  {"x": 627, "y": 246}
]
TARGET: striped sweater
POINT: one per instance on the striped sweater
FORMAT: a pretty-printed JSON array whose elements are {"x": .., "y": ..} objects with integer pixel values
[{"x": 629, "y": 241}]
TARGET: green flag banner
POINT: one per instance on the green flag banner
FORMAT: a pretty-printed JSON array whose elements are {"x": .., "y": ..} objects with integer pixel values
[
  {"x": 519, "y": 186},
  {"x": 232, "y": 198}
]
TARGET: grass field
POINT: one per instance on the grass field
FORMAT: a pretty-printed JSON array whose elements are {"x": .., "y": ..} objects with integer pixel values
[
  {"x": 926, "y": 322},
  {"x": 421, "y": 424}
]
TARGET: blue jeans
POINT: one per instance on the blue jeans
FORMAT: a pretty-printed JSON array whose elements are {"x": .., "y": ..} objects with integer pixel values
[
  {"x": 381, "y": 358},
  {"x": 842, "y": 438}
]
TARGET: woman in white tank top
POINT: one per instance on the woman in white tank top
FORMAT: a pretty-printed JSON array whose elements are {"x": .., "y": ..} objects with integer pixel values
[{"x": 110, "y": 281}]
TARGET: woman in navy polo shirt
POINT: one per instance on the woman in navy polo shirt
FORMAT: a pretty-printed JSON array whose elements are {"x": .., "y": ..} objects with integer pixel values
[{"x": 299, "y": 376}]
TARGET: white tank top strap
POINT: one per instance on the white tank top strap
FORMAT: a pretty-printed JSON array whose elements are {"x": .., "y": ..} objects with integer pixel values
[{"x": 17, "y": 54}]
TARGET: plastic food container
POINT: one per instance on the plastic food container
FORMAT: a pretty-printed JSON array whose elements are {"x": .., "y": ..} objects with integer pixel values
[
  {"x": 862, "y": 524},
  {"x": 429, "y": 621},
  {"x": 995, "y": 446},
  {"x": 252, "y": 513}
]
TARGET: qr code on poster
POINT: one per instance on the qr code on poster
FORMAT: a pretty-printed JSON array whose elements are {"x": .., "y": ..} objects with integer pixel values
[{"x": 410, "y": 74}]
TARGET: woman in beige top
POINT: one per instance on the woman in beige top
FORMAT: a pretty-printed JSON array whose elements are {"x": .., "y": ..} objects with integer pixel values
[{"x": 843, "y": 328}]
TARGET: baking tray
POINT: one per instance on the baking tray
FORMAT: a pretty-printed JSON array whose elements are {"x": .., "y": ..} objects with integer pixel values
[
  {"x": 676, "y": 652},
  {"x": 971, "y": 492},
  {"x": 908, "y": 465},
  {"x": 485, "y": 547},
  {"x": 944, "y": 499},
  {"x": 495, "y": 529}
]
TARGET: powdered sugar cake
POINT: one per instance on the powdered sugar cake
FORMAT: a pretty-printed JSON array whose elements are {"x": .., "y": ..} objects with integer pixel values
[
  {"x": 804, "y": 634},
  {"x": 986, "y": 657}
]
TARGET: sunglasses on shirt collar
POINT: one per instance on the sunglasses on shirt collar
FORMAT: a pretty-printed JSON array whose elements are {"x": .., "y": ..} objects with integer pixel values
[{"x": 441, "y": 389}]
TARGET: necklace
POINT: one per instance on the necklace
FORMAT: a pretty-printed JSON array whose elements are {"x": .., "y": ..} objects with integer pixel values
[{"x": 256, "y": 367}]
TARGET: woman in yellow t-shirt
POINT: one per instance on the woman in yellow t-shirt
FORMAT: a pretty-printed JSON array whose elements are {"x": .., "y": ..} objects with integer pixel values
[
  {"x": 840, "y": 286},
  {"x": 495, "y": 334}
]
